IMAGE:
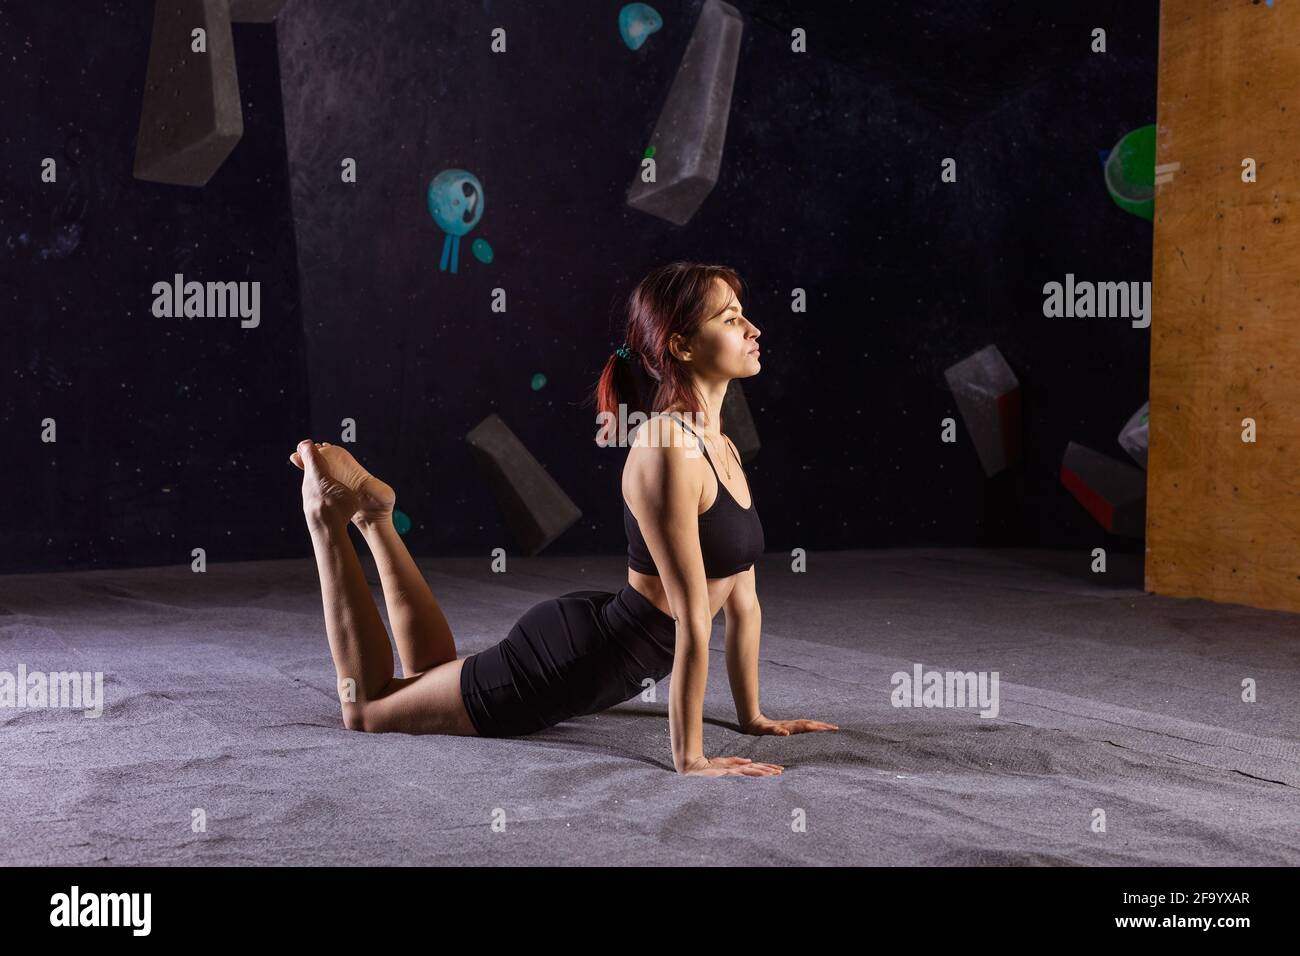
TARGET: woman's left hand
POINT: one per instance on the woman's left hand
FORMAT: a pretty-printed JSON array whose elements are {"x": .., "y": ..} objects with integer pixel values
[{"x": 784, "y": 728}]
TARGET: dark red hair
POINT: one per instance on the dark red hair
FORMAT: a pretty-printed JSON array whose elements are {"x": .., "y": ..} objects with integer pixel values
[{"x": 671, "y": 300}]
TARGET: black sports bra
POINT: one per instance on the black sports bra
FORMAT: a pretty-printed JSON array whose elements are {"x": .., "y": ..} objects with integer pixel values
[{"x": 731, "y": 537}]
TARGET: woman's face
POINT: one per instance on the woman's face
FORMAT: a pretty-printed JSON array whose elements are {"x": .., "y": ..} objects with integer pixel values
[{"x": 726, "y": 340}]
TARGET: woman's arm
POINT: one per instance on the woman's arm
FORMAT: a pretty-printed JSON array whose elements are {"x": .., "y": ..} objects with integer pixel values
[
  {"x": 744, "y": 624},
  {"x": 663, "y": 491}
]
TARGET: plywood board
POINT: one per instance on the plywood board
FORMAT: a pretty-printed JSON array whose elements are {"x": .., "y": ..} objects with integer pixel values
[{"x": 1223, "y": 516}]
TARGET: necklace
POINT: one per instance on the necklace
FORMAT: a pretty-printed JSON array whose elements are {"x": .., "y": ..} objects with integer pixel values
[{"x": 726, "y": 459}]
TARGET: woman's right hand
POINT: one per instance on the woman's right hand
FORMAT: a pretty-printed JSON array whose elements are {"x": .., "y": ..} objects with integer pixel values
[{"x": 729, "y": 767}]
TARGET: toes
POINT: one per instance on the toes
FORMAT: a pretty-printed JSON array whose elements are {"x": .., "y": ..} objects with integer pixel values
[{"x": 310, "y": 455}]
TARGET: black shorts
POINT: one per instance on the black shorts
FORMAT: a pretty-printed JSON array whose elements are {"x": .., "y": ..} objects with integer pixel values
[{"x": 576, "y": 654}]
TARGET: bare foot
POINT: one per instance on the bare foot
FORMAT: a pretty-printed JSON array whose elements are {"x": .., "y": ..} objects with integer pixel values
[
  {"x": 374, "y": 499},
  {"x": 325, "y": 499}
]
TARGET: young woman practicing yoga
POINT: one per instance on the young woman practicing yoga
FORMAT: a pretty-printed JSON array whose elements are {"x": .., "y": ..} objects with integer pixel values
[{"x": 691, "y": 550}]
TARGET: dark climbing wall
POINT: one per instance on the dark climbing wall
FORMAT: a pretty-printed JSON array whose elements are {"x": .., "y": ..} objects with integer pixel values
[
  {"x": 830, "y": 183},
  {"x": 171, "y": 433}
]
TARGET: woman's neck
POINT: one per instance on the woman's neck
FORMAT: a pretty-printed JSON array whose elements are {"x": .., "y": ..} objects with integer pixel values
[{"x": 702, "y": 422}]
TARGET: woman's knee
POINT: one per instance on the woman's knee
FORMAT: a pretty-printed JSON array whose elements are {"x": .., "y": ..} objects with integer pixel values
[
  {"x": 354, "y": 716},
  {"x": 434, "y": 706}
]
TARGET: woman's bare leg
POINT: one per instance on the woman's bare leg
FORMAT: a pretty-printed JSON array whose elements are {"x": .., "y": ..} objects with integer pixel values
[
  {"x": 428, "y": 703},
  {"x": 420, "y": 628},
  {"x": 358, "y": 641}
]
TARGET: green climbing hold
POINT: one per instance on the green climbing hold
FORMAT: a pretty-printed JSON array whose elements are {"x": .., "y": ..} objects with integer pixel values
[{"x": 1131, "y": 172}]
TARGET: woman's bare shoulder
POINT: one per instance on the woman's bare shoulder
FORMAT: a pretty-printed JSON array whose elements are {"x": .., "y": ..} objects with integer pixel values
[
  {"x": 659, "y": 479},
  {"x": 658, "y": 447},
  {"x": 657, "y": 433}
]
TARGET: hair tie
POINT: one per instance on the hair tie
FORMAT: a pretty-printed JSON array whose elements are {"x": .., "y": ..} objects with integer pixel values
[{"x": 624, "y": 351}]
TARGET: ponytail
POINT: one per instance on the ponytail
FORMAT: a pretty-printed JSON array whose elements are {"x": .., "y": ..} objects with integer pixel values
[{"x": 624, "y": 389}]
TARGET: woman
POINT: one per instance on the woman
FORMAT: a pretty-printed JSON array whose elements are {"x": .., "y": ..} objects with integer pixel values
[{"x": 691, "y": 546}]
